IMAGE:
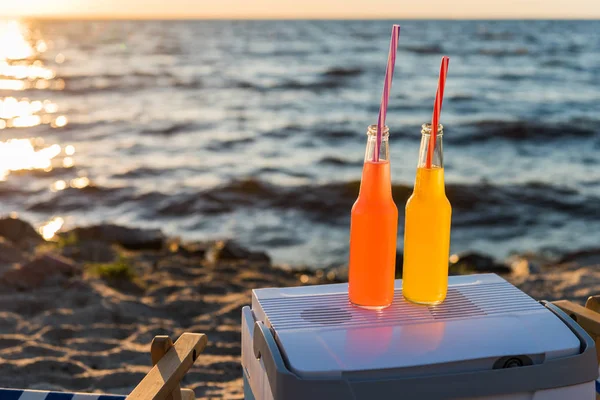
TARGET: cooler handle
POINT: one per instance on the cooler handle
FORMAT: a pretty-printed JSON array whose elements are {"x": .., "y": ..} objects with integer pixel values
[{"x": 266, "y": 349}]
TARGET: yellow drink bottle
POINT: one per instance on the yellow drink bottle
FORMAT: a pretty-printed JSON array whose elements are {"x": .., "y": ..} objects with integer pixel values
[{"x": 427, "y": 229}]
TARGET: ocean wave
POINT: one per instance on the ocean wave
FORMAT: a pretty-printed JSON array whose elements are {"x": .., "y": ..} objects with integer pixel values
[
  {"x": 141, "y": 172},
  {"x": 337, "y": 133},
  {"x": 524, "y": 200},
  {"x": 474, "y": 204},
  {"x": 245, "y": 85},
  {"x": 557, "y": 62},
  {"x": 128, "y": 74},
  {"x": 461, "y": 97},
  {"x": 128, "y": 83},
  {"x": 521, "y": 51},
  {"x": 342, "y": 72},
  {"x": 324, "y": 203},
  {"x": 284, "y": 171},
  {"x": 284, "y": 132},
  {"x": 7, "y": 190},
  {"x": 315, "y": 86},
  {"x": 229, "y": 144},
  {"x": 72, "y": 199},
  {"x": 424, "y": 49},
  {"x": 336, "y": 161},
  {"x": 493, "y": 36},
  {"x": 326, "y": 83},
  {"x": 512, "y": 77},
  {"x": 521, "y": 131},
  {"x": 55, "y": 172},
  {"x": 173, "y": 128}
]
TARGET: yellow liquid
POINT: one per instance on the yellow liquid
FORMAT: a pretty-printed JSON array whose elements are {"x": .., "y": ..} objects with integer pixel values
[{"x": 427, "y": 239}]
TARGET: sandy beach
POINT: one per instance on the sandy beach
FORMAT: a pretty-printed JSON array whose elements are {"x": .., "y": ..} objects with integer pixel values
[
  {"x": 78, "y": 314},
  {"x": 66, "y": 326}
]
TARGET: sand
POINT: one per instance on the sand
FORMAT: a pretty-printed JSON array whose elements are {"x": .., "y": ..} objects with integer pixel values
[
  {"x": 79, "y": 332},
  {"x": 76, "y": 331}
]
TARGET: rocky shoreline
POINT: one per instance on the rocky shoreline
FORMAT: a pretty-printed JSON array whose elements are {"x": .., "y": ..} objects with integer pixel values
[{"x": 78, "y": 312}]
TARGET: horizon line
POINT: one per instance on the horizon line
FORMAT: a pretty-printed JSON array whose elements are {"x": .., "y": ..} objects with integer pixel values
[{"x": 102, "y": 17}]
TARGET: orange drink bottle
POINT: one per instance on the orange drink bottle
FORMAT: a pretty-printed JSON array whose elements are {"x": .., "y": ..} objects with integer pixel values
[
  {"x": 427, "y": 229},
  {"x": 373, "y": 230}
]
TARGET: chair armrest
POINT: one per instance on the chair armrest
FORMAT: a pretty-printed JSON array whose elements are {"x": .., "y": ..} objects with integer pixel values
[
  {"x": 589, "y": 320},
  {"x": 165, "y": 376}
]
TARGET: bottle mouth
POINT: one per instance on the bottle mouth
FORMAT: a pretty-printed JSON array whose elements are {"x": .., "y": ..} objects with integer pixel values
[
  {"x": 372, "y": 130},
  {"x": 426, "y": 129}
]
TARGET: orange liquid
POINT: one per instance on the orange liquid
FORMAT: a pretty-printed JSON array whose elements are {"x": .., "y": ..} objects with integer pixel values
[
  {"x": 427, "y": 239},
  {"x": 373, "y": 230}
]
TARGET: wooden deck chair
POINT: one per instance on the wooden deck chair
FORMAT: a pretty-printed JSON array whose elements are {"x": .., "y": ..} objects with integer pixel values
[
  {"x": 170, "y": 362},
  {"x": 588, "y": 318}
]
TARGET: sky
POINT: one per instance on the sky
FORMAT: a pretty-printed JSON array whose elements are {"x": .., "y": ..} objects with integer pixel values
[{"x": 405, "y": 9}]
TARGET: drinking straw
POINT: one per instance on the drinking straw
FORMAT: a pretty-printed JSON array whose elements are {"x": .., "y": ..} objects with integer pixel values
[
  {"x": 387, "y": 86},
  {"x": 437, "y": 109}
]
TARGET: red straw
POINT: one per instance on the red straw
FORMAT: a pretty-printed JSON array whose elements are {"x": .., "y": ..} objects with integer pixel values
[
  {"x": 387, "y": 86},
  {"x": 437, "y": 109}
]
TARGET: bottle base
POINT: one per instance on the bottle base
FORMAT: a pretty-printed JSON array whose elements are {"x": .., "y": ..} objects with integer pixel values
[
  {"x": 424, "y": 303},
  {"x": 372, "y": 308}
]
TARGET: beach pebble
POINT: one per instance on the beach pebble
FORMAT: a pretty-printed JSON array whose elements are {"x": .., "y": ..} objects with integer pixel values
[
  {"x": 194, "y": 249},
  {"x": 94, "y": 251},
  {"x": 18, "y": 231},
  {"x": 9, "y": 253},
  {"x": 473, "y": 262},
  {"x": 129, "y": 238},
  {"x": 40, "y": 270}
]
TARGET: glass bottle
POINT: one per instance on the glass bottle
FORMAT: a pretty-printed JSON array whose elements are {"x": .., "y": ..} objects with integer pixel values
[
  {"x": 373, "y": 230},
  {"x": 427, "y": 228}
]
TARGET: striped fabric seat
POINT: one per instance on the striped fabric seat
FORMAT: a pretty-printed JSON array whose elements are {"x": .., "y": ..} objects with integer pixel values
[{"x": 19, "y": 394}]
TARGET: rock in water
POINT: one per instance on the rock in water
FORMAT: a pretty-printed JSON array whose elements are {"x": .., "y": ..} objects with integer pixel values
[
  {"x": 41, "y": 270},
  {"x": 527, "y": 263},
  {"x": 582, "y": 257},
  {"x": 231, "y": 251},
  {"x": 475, "y": 263},
  {"x": 18, "y": 231},
  {"x": 129, "y": 238}
]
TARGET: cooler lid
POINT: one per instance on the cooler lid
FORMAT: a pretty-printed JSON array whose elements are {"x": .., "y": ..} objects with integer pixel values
[{"x": 483, "y": 320}]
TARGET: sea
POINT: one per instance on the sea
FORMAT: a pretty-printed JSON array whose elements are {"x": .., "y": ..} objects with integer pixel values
[{"x": 255, "y": 130}]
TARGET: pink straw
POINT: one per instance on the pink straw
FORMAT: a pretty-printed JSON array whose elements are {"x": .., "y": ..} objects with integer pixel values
[{"x": 387, "y": 86}]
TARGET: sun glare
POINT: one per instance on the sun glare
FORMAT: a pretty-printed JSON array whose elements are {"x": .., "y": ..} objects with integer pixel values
[
  {"x": 20, "y": 154},
  {"x": 13, "y": 45},
  {"x": 22, "y": 70},
  {"x": 49, "y": 229}
]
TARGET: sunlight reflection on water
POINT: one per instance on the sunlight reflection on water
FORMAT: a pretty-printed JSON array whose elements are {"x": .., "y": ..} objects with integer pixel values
[
  {"x": 20, "y": 154},
  {"x": 22, "y": 69},
  {"x": 49, "y": 229}
]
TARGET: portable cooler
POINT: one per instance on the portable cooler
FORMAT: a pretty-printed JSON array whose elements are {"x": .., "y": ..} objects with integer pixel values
[{"x": 488, "y": 340}]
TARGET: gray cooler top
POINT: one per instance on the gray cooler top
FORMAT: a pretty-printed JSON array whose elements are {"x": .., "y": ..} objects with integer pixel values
[{"x": 313, "y": 337}]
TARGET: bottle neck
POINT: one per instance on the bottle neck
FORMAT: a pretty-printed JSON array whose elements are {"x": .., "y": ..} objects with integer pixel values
[
  {"x": 429, "y": 182},
  {"x": 437, "y": 158},
  {"x": 376, "y": 183},
  {"x": 384, "y": 148}
]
